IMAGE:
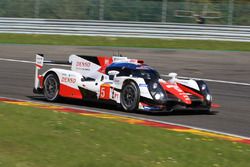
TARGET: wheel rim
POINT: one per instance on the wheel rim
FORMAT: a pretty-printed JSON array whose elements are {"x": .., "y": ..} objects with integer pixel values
[
  {"x": 51, "y": 88},
  {"x": 129, "y": 96}
]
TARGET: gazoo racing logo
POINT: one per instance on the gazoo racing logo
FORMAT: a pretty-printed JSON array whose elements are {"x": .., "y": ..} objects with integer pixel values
[{"x": 68, "y": 80}]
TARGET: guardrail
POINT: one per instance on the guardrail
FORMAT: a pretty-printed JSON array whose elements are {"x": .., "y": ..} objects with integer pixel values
[{"x": 124, "y": 29}]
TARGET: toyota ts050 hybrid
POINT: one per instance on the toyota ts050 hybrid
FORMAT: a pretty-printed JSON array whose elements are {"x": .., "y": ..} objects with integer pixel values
[{"x": 126, "y": 82}]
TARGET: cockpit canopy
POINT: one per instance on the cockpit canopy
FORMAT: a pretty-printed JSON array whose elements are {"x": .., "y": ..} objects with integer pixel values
[{"x": 136, "y": 70}]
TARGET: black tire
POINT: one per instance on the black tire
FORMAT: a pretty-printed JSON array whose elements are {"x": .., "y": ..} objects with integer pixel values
[
  {"x": 130, "y": 96},
  {"x": 51, "y": 87}
]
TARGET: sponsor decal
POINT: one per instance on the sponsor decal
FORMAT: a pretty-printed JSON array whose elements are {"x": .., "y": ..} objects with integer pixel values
[
  {"x": 39, "y": 61},
  {"x": 143, "y": 85},
  {"x": 115, "y": 95},
  {"x": 108, "y": 82},
  {"x": 71, "y": 75},
  {"x": 68, "y": 80},
  {"x": 82, "y": 64},
  {"x": 117, "y": 81},
  {"x": 133, "y": 60},
  {"x": 143, "y": 67}
]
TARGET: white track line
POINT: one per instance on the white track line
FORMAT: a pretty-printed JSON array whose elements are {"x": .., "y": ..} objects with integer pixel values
[
  {"x": 135, "y": 117},
  {"x": 213, "y": 80},
  {"x": 220, "y": 81},
  {"x": 19, "y": 61},
  {"x": 164, "y": 75},
  {"x": 32, "y": 62}
]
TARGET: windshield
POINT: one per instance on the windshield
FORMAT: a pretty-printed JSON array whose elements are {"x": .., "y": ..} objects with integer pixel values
[{"x": 148, "y": 74}]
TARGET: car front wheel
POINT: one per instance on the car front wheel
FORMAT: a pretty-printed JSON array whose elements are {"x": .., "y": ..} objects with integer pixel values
[{"x": 130, "y": 96}]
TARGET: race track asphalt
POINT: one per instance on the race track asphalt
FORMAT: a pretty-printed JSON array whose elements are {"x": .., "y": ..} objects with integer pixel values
[{"x": 16, "y": 80}]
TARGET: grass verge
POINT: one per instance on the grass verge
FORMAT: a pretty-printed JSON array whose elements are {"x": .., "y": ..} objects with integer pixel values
[
  {"x": 123, "y": 42},
  {"x": 38, "y": 137}
]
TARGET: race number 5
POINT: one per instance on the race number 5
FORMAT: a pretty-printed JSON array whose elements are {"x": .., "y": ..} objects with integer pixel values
[{"x": 105, "y": 92}]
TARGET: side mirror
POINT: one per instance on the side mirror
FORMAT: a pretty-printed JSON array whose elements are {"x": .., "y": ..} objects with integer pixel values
[
  {"x": 172, "y": 75},
  {"x": 112, "y": 74}
]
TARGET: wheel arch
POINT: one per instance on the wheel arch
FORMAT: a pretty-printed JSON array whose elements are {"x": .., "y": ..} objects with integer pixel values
[
  {"x": 126, "y": 81},
  {"x": 51, "y": 72}
]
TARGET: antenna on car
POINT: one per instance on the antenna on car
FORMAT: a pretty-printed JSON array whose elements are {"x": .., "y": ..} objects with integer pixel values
[{"x": 118, "y": 53}]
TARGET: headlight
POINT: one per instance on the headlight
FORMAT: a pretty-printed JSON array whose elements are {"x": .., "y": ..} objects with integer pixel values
[
  {"x": 204, "y": 91},
  {"x": 157, "y": 96},
  {"x": 203, "y": 87},
  {"x": 209, "y": 97},
  {"x": 155, "y": 85},
  {"x": 157, "y": 92}
]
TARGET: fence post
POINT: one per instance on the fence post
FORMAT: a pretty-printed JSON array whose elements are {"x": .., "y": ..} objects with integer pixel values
[
  {"x": 231, "y": 12},
  {"x": 101, "y": 9},
  {"x": 37, "y": 8},
  {"x": 164, "y": 11}
]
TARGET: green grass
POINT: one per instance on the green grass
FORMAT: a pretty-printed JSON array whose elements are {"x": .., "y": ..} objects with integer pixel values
[
  {"x": 123, "y": 42},
  {"x": 31, "y": 137}
]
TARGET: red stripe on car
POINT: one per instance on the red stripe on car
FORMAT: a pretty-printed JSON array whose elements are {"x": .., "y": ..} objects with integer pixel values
[
  {"x": 67, "y": 91},
  {"x": 41, "y": 78},
  {"x": 188, "y": 90},
  {"x": 177, "y": 91}
]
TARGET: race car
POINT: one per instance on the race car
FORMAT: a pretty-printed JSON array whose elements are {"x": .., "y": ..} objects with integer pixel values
[{"x": 129, "y": 83}]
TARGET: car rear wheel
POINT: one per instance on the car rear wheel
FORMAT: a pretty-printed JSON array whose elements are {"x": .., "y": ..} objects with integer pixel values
[
  {"x": 51, "y": 87},
  {"x": 130, "y": 96}
]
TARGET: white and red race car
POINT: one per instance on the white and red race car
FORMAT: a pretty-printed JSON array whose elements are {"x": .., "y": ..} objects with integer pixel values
[{"x": 127, "y": 82}]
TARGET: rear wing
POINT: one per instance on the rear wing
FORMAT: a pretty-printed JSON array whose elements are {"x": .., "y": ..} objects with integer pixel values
[
  {"x": 40, "y": 62},
  {"x": 38, "y": 66}
]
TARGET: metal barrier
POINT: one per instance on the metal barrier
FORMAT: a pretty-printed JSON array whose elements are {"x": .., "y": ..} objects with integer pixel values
[{"x": 124, "y": 29}]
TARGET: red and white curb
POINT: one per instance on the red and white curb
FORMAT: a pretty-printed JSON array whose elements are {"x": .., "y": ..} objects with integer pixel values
[{"x": 130, "y": 120}]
